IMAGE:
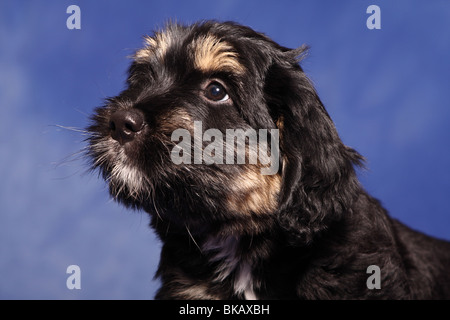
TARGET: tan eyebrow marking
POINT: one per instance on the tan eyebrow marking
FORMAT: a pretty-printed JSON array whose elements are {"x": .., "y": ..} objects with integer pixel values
[
  {"x": 212, "y": 54},
  {"x": 156, "y": 45}
]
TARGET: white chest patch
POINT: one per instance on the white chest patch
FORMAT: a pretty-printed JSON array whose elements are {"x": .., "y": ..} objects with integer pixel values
[{"x": 226, "y": 253}]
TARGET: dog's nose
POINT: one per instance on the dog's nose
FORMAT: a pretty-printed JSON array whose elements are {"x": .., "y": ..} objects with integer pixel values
[{"x": 125, "y": 124}]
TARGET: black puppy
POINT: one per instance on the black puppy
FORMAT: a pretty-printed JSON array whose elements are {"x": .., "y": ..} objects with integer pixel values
[{"x": 291, "y": 220}]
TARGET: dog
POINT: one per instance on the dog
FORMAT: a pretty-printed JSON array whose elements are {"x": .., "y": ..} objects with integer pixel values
[{"x": 307, "y": 230}]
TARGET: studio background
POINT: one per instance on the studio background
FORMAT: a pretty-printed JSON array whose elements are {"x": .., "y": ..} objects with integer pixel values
[{"x": 387, "y": 91}]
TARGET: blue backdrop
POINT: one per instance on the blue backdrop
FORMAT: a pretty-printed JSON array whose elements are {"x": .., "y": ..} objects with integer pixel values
[{"x": 387, "y": 91}]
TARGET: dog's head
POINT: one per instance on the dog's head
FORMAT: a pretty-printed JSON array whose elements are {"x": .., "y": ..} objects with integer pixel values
[{"x": 162, "y": 144}]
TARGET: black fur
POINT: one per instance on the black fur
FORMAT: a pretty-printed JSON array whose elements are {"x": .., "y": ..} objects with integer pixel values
[{"x": 325, "y": 230}]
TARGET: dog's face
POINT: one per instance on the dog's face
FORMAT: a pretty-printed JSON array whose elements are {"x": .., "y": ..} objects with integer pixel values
[{"x": 218, "y": 76}]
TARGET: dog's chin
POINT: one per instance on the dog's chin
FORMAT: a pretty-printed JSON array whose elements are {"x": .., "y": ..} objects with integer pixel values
[
  {"x": 128, "y": 183},
  {"x": 147, "y": 186}
]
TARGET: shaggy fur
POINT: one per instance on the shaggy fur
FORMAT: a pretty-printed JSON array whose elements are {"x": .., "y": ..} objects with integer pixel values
[{"x": 310, "y": 231}]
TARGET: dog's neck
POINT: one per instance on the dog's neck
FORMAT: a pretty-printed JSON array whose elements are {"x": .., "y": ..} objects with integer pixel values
[
  {"x": 235, "y": 253},
  {"x": 227, "y": 253}
]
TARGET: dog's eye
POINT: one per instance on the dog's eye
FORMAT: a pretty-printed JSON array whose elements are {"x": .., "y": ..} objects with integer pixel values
[{"x": 216, "y": 92}]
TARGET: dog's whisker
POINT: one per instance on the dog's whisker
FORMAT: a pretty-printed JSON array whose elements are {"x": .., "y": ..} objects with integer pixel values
[
  {"x": 195, "y": 242},
  {"x": 153, "y": 202},
  {"x": 74, "y": 129}
]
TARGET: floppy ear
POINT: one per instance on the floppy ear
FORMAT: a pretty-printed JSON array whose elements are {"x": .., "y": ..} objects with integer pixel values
[{"x": 319, "y": 183}]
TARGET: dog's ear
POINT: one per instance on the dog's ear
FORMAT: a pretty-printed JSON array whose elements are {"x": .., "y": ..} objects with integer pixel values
[{"x": 319, "y": 182}]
